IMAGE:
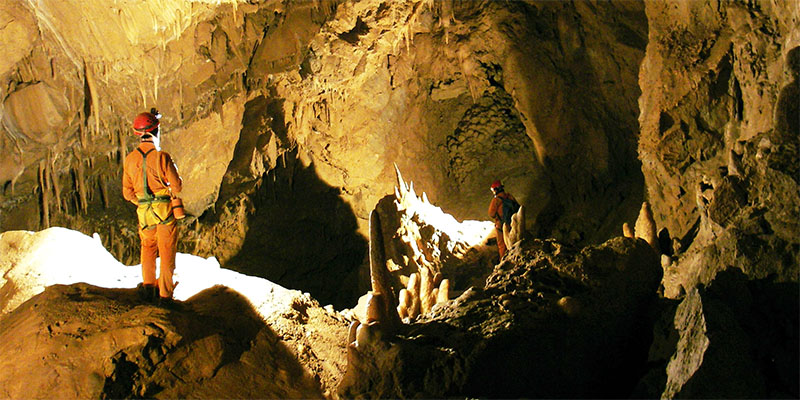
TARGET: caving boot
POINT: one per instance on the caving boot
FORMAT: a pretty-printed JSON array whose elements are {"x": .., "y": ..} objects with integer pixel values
[
  {"x": 169, "y": 303},
  {"x": 147, "y": 293}
]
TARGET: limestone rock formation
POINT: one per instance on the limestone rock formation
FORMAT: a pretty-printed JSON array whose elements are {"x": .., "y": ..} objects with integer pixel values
[
  {"x": 514, "y": 233},
  {"x": 290, "y": 121},
  {"x": 109, "y": 343},
  {"x": 645, "y": 227},
  {"x": 720, "y": 162},
  {"x": 82, "y": 341},
  {"x": 736, "y": 338},
  {"x": 289, "y": 105},
  {"x": 544, "y": 310}
]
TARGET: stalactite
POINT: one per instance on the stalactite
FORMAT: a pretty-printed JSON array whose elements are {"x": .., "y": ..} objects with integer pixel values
[
  {"x": 54, "y": 179},
  {"x": 43, "y": 188},
  {"x": 90, "y": 81},
  {"x": 82, "y": 130},
  {"x": 81, "y": 187},
  {"x": 155, "y": 87},
  {"x": 121, "y": 150}
]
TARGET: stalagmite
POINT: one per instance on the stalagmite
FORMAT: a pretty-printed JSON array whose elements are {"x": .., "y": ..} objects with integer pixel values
[
  {"x": 351, "y": 334},
  {"x": 413, "y": 291},
  {"x": 405, "y": 299},
  {"x": 437, "y": 279},
  {"x": 627, "y": 231},
  {"x": 426, "y": 287},
  {"x": 444, "y": 292},
  {"x": 645, "y": 227},
  {"x": 514, "y": 233},
  {"x": 375, "y": 308},
  {"x": 402, "y": 311},
  {"x": 379, "y": 276},
  {"x": 366, "y": 334},
  {"x": 570, "y": 305}
]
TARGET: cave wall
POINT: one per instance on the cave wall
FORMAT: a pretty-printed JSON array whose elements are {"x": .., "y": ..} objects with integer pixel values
[
  {"x": 718, "y": 156},
  {"x": 323, "y": 94},
  {"x": 719, "y": 138}
]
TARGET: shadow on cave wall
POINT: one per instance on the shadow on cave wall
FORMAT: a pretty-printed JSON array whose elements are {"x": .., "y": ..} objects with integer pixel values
[
  {"x": 302, "y": 236},
  {"x": 299, "y": 232}
]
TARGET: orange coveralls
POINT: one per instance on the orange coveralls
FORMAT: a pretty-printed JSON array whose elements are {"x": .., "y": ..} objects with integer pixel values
[
  {"x": 496, "y": 213},
  {"x": 160, "y": 238}
]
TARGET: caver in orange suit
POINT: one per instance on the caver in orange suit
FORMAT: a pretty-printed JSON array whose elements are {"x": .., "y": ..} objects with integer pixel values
[
  {"x": 496, "y": 213},
  {"x": 157, "y": 227}
]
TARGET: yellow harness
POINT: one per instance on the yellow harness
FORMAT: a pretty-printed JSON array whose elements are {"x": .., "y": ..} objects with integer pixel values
[{"x": 154, "y": 208}]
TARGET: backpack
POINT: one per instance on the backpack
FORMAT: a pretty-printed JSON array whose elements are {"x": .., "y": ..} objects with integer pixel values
[{"x": 510, "y": 207}]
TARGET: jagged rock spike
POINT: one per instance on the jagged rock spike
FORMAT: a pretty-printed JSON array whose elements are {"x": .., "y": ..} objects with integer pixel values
[{"x": 401, "y": 184}]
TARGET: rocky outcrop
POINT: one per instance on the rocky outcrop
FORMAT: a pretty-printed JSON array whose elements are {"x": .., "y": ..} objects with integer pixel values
[
  {"x": 546, "y": 309},
  {"x": 719, "y": 155},
  {"x": 63, "y": 295},
  {"x": 737, "y": 338},
  {"x": 82, "y": 341}
]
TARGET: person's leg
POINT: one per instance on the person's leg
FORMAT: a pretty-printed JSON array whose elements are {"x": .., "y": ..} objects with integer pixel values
[
  {"x": 501, "y": 243},
  {"x": 149, "y": 250},
  {"x": 167, "y": 247}
]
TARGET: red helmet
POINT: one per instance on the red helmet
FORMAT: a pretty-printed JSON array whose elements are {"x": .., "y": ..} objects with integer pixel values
[
  {"x": 145, "y": 122},
  {"x": 496, "y": 184}
]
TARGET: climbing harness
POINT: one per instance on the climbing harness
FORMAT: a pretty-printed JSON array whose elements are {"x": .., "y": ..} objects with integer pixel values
[{"x": 154, "y": 208}]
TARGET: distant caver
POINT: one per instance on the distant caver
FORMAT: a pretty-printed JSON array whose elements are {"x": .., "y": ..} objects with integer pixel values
[{"x": 501, "y": 208}]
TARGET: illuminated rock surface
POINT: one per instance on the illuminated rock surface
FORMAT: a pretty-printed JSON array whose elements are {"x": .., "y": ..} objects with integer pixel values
[{"x": 288, "y": 120}]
